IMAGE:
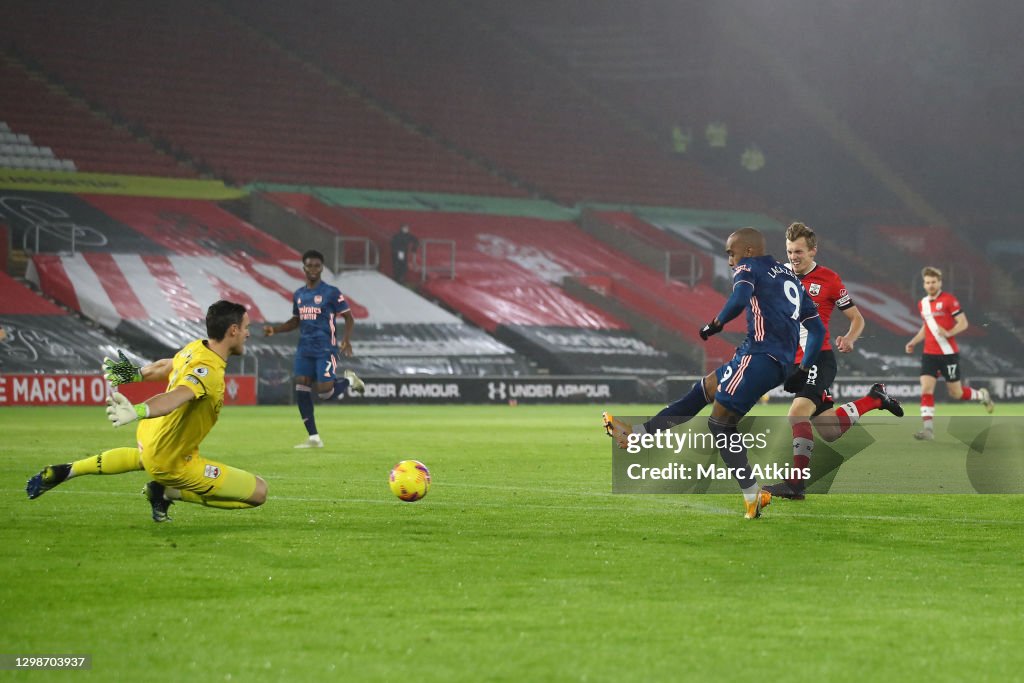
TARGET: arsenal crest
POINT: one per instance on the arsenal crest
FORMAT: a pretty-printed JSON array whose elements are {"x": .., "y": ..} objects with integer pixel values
[
  {"x": 317, "y": 299},
  {"x": 814, "y": 289}
]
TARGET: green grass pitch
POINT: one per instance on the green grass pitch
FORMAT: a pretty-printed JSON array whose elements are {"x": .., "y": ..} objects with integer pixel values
[{"x": 520, "y": 565}]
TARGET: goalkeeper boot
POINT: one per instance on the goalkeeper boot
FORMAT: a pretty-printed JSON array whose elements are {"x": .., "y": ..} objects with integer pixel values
[
  {"x": 46, "y": 480},
  {"x": 357, "y": 384},
  {"x": 617, "y": 429},
  {"x": 888, "y": 402},
  {"x": 986, "y": 400},
  {"x": 763, "y": 500},
  {"x": 154, "y": 493},
  {"x": 786, "y": 489}
]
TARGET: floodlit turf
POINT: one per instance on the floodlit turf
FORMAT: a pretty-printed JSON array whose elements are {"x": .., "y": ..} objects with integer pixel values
[{"x": 520, "y": 565}]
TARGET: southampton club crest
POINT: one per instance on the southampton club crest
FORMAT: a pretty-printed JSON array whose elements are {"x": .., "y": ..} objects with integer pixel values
[{"x": 814, "y": 289}]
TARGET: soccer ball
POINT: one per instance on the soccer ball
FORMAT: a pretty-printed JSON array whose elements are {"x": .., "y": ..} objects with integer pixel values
[{"x": 409, "y": 480}]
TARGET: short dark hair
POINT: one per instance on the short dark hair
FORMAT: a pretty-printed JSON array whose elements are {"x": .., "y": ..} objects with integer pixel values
[
  {"x": 222, "y": 315},
  {"x": 312, "y": 253}
]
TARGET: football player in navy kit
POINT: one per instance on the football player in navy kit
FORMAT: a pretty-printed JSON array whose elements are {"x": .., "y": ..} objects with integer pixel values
[
  {"x": 315, "y": 306},
  {"x": 776, "y": 307}
]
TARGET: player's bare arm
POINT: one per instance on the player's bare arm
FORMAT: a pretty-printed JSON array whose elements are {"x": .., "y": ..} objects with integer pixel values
[
  {"x": 915, "y": 340},
  {"x": 345, "y": 346},
  {"x": 158, "y": 370},
  {"x": 960, "y": 326},
  {"x": 845, "y": 342},
  {"x": 287, "y": 326}
]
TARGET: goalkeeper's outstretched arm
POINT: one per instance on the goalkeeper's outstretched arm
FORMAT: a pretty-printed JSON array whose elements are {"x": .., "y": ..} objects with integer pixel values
[
  {"x": 169, "y": 401},
  {"x": 158, "y": 370},
  {"x": 123, "y": 371},
  {"x": 121, "y": 411}
]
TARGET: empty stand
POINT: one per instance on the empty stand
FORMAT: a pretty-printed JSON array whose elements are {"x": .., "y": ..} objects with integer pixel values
[
  {"x": 467, "y": 82},
  {"x": 18, "y": 151},
  {"x": 51, "y": 131},
  {"x": 43, "y": 338},
  {"x": 501, "y": 283},
  {"x": 200, "y": 82},
  {"x": 909, "y": 248},
  {"x": 150, "y": 267},
  {"x": 146, "y": 259},
  {"x": 683, "y": 64},
  {"x": 509, "y": 277},
  {"x": 17, "y": 299}
]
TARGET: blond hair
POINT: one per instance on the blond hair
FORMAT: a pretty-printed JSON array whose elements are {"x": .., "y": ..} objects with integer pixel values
[
  {"x": 797, "y": 230},
  {"x": 931, "y": 271}
]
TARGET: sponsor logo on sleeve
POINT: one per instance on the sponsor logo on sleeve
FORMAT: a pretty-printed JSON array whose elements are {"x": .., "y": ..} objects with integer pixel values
[{"x": 202, "y": 371}]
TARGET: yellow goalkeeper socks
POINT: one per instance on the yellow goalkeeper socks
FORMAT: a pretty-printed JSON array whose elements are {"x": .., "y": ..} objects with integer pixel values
[{"x": 114, "y": 461}]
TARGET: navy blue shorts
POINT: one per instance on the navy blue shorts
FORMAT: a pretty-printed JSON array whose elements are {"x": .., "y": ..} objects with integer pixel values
[
  {"x": 745, "y": 379},
  {"x": 322, "y": 368}
]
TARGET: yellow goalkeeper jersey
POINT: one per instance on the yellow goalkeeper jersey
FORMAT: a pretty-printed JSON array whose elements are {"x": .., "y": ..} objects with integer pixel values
[{"x": 180, "y": 432}]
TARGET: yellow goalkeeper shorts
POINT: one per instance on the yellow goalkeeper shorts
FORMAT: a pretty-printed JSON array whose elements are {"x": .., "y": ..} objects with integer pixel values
[{"x": 207, "y": 478}]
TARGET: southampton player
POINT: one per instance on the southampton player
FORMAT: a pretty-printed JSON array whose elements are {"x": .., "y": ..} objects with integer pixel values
[
  {"x": 813, "y": 403},
  {"x": 314, "y": 309},
  {"x": 173, "y": 424},
  {"x": 776, "y": 307},
  {"x": 943, "y": 320}
]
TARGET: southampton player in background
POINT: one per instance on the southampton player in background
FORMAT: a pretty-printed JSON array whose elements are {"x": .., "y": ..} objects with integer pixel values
[
  {"x": 173, "y": 425},
  {"x": 314, "y": 309},
  {"x": 943, "y": 320},
  {"x": 776, "y": 307},
  {"x": 813, "y": 403}
]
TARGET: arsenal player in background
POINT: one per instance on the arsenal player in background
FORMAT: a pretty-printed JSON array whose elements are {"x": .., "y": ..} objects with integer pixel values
[
  {"x": 813, "y": 403},
  {"x": 943, "y": 320}
]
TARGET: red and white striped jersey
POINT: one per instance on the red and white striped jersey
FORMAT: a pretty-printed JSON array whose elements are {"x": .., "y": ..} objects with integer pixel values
[
  {"x": 939, "y": 312},
  {"x": 828, "y": 292}
]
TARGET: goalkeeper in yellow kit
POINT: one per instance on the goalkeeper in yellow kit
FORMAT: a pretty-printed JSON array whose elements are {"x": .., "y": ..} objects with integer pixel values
[{"x": 173, "y": 424}]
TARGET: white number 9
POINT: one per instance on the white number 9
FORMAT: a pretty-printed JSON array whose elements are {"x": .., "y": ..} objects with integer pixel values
[{"x": 793, "y": 294}]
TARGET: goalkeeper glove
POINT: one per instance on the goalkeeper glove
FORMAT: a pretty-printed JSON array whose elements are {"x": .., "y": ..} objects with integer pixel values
[
  {"x": 120, "y": 410},
  {"x": 796, "y": 380},
  {"x": 711, "y": 329},
  {"x": 121, "y": 371}
]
